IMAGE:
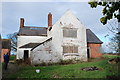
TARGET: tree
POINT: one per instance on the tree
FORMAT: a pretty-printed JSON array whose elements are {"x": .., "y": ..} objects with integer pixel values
[
  {"x": 13, "y": 38},
  {"x": 116, "y": 43},
  {"x": 113, "y": 45},
  {"x": 110, "y": 10}
]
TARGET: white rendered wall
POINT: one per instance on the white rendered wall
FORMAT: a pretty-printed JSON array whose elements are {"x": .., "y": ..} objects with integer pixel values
[
  {"x": 20, "y": 52},
  {"x": 70, "y": 21},
  {"x": 22, "y": 40},
  {"x": 43, "y": 54}
]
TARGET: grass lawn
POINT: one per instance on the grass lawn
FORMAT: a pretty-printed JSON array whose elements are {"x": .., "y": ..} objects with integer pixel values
[
  {"x": 12, "y": 57},
  {"x": 70, "y": 70}
]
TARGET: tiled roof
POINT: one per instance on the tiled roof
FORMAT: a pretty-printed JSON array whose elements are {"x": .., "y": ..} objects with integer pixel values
[
  {"x": 29, "y": 45},
  {"x": 92, "y": 38},
  {"x": 42, "y": 31},
  {"x": 42, "y": 43},
  {"x": 33, "y": 31}
]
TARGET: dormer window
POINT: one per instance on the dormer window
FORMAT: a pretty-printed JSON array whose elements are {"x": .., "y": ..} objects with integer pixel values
[{"x": 70, "y": 32}]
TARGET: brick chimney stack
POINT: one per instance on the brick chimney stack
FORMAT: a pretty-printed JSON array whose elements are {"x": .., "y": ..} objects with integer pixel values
[
  {"x": 21, "y": 22},
  {"x": 49, "y": 20}
]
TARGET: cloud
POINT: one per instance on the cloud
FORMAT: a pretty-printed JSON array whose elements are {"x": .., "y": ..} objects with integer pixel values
[
  {"x": 45, "y": 0},
  {"x": 35, "y": 14}
]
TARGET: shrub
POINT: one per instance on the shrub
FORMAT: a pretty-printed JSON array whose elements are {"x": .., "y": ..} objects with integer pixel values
[
  {"x": 64, "y": 62},
  {"x": 25, "y": 62}
]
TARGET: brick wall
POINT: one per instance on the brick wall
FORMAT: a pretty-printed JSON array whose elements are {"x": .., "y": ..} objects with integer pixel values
[
  {"x": 4, "y": 51},
  {"x": 95, "y": 50}
]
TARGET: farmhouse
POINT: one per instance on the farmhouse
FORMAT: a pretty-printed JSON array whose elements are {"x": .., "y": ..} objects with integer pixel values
[{"x": 67, "y": 39}]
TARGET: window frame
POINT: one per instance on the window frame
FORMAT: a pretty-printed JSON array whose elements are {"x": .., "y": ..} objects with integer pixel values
[
  {"x": 70, "y": 49},
  {"x": 67, "y": 31}
]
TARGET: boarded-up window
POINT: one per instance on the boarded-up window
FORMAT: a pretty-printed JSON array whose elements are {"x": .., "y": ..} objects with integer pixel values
[
  {"x": 99, "y": 50},
  {"x": 70, "y": 33},
  {"x": 70, "y": 49}
]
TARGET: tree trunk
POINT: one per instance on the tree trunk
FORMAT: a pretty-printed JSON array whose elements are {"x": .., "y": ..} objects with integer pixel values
[{"x": 119, "y": 33}]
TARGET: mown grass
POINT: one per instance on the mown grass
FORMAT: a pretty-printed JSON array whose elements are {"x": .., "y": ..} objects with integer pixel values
[
  {"x": 70, "y": 70},
  {"x": 12, "y": 57},
  {"x": 109, "y": 56}
]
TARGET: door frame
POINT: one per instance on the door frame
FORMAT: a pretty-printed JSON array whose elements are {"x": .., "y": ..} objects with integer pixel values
[
  {"x": 88, "y": 56},
  {"x": 26, "y": 53}
]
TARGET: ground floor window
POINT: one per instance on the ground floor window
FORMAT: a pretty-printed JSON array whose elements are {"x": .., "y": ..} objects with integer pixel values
[{"x": 70, "y": 49}]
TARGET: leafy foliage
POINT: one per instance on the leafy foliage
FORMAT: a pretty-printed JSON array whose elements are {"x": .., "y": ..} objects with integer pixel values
[{"x": 109, "y": 11}]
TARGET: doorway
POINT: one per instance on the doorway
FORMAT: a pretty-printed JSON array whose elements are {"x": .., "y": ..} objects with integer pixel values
[
  {"x": 88, "y": 52},
  {"x": 26, "y": 55}
]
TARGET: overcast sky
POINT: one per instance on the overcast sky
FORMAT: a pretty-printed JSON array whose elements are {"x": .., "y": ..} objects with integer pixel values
[{"x": 35, "y": 14}]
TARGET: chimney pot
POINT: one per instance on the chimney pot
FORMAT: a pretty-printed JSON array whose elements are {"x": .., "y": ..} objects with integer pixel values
[
  {"x": 49, "y": 20},
  {"x": 21, "y": 22}
]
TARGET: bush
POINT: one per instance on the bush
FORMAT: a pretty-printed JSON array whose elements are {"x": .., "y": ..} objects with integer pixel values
[
  {"x": 25, "y": 62},
  {"x": 20, "y": 61},
  {"x": 64, "y": 62}
]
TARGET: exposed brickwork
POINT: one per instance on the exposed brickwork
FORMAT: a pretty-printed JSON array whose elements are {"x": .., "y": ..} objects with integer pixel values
[
  {"x": 0, "y": 47},
  {"x": 49, "y": 20},
  {"x": 21, "y": 22},
  {"x": 4, "y": 51},
  {"x": 94, "y": 50}
]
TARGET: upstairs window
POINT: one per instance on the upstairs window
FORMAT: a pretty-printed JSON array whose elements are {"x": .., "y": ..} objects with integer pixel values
[
  {"x": 70, "y": 49},
  {"x": 70, "y": 33}
]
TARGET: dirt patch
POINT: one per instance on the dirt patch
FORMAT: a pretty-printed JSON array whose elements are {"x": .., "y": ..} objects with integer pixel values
[
  {"x": 56, "y": 76},
  {"x": 90, "y": 68}
]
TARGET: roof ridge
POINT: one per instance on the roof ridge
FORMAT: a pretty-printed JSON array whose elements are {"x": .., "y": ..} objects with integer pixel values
[
  {"x": 33, "y": 27},
  {"x": 28, "y": 44},
  {"x": 33, "y": 31}
]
